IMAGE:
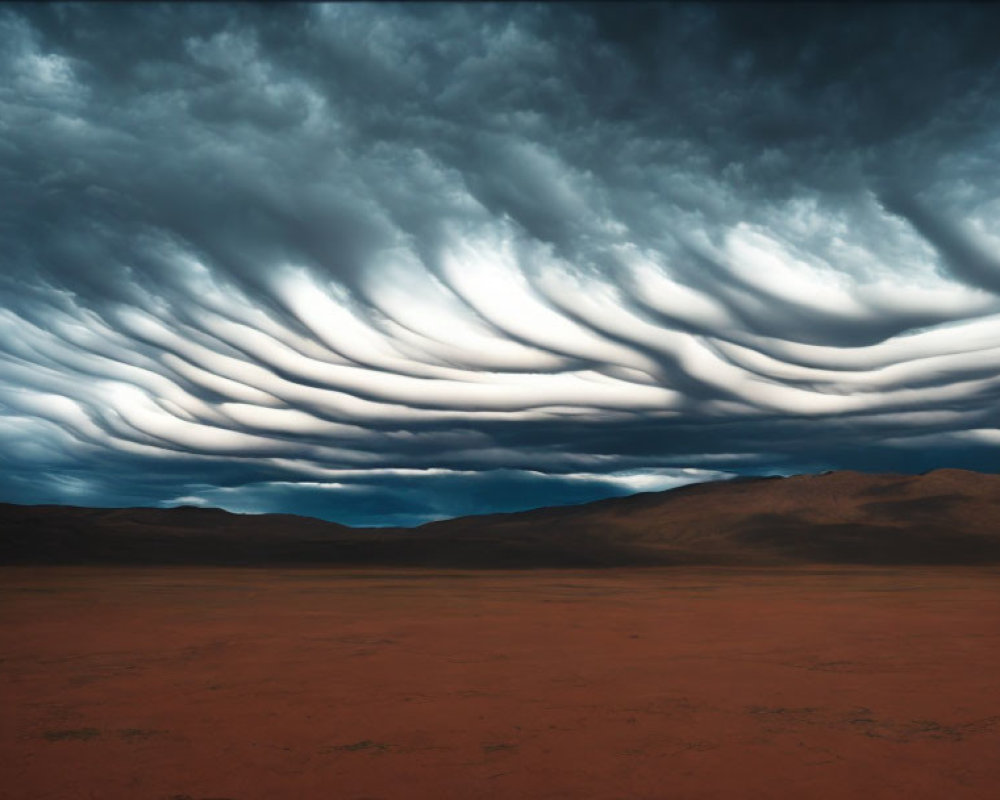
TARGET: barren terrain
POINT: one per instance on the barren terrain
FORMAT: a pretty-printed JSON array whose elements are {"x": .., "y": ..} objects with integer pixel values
[
  {"x": 195, "y": 683},
  {"x": 946, "y": 516}
]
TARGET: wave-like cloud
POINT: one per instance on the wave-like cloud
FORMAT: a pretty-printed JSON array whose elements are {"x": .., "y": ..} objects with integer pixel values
[{"x": 497, "y": 253}]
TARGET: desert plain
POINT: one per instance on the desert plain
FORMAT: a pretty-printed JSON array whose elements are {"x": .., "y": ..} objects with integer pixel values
[{"x": 203, "y": 683}]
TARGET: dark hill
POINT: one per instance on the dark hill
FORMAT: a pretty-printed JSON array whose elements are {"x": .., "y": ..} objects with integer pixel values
[{"x": 942, "y": 517}]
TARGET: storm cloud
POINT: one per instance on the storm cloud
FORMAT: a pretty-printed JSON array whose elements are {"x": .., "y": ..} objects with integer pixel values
[{"x": 385, "y": 264}]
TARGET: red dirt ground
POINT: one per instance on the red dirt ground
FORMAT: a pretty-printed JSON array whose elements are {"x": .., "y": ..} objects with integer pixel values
[{"x": 197, "y": 683}]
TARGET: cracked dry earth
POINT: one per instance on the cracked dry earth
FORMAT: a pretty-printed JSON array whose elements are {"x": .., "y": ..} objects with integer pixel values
[{"x": 213, "y": 684}]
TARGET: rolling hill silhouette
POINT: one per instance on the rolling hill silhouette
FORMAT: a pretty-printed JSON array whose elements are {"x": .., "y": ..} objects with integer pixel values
[{"x": 946, "y": 516}]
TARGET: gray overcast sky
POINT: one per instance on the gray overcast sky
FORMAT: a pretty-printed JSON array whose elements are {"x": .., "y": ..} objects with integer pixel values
[{"x": 384, "y": 264}]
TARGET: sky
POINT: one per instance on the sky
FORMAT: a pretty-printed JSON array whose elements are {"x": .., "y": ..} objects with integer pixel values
[{"x": 387, "y": 264}]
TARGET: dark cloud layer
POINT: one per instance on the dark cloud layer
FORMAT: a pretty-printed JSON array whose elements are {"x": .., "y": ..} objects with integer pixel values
[{"x": 383, "y": 264}]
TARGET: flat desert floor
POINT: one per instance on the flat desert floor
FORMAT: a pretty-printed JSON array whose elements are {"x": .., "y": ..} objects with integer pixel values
[{"x": 198, "y": 683}]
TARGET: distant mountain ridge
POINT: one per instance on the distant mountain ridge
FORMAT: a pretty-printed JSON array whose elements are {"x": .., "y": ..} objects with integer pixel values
[{"x": 946, "y": 516}]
